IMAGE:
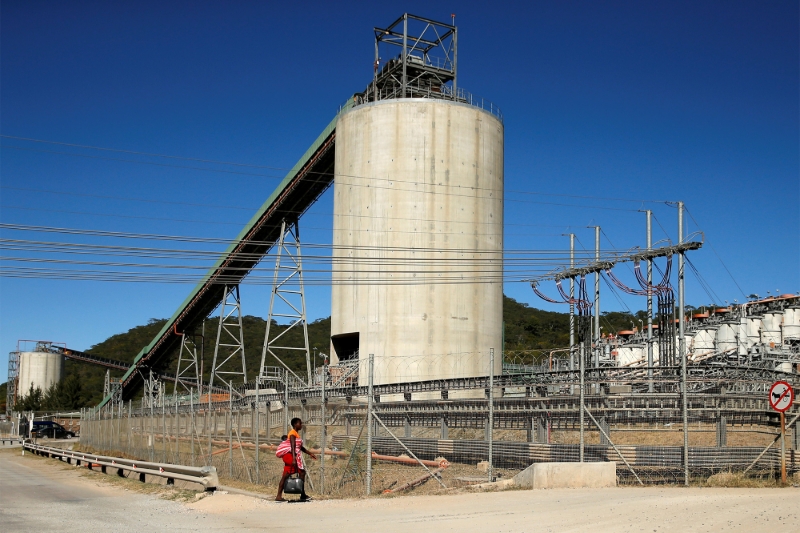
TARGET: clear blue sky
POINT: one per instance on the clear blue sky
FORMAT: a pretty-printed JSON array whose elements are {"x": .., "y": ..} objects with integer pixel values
[{"x": 693, "y": 101}]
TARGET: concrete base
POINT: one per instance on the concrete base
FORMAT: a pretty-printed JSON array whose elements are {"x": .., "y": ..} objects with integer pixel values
[{"x": 567, "y": 476}]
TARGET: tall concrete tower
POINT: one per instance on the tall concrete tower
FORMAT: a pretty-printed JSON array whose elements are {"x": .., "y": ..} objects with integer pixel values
[{"x": 418, "y": 216}]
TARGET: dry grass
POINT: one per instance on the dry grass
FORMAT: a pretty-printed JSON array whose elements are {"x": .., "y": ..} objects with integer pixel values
[{"x": 738, "y": 480}]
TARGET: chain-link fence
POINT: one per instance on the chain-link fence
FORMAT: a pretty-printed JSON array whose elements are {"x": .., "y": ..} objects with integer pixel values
[{"x": 460, "y": 431}]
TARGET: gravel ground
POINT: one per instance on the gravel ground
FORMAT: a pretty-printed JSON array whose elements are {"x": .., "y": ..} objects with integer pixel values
[{"x": 44, "y": 494}]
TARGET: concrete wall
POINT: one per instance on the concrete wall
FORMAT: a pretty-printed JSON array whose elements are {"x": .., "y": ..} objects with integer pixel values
[
  {"x": 41, "y": 369},
  {"x": 418, "y": 235},
  {"x": 568, "y": 476}
]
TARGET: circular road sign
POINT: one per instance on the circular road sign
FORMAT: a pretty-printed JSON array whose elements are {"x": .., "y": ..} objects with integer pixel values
[{"x": 781, "y": 396}]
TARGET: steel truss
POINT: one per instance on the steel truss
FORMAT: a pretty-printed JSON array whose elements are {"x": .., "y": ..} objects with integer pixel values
[
  {"x": 289, "y": 294},
  {"x": 153, "y": 392},
  {"x": 229, "y": 347},
  {"x": 187, "y": 373},
  {"x": 112, "y": 387},
  {"x": 702, "y": 379},
  {"x": 13, "y": 381},
  {"x": 427, "y": 60}
]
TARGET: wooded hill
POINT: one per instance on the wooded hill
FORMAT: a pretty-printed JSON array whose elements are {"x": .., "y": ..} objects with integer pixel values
[{"x": 526, "y": 328}]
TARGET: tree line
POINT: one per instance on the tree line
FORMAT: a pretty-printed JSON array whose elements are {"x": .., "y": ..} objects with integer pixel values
[{"x": 525, "y": 328}]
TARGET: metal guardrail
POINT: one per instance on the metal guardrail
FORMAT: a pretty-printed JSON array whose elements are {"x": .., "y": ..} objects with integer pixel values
[
  {"x": 204, "y": 475},
  {"x": 11, "y": 440}
]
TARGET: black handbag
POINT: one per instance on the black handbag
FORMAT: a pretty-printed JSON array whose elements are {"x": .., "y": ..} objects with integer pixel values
[{"x": 293, "y": 485}]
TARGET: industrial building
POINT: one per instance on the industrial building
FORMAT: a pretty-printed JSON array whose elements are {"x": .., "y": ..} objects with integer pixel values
[{"x": 764, "y": 333}]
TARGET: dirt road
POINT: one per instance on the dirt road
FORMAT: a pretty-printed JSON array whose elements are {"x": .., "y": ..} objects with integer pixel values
[{"x": 42, "y": 494}]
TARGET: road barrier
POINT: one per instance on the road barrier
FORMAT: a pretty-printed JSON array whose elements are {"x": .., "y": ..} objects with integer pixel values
[{"x": 203, "y": 475}]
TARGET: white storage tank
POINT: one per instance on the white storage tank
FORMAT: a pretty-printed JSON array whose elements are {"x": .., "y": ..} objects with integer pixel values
[
  {"x": 40, "y": 370},
  {"x": 771, "y": 328},
  {"x": 753, "y": 330},
  {"x": 791, "y": 322},
  {"x": 726, "y": 336},
  {"x": 418, "y": 240},
  {"x": 704, "y": 339},
  {"x": 628, "y": 354}
]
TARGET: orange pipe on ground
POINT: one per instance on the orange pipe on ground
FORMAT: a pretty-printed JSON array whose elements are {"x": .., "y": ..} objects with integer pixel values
[{"x": 389, "y": 458}]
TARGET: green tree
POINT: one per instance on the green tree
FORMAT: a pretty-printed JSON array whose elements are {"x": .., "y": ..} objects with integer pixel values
[{"x": 31, "y": 401}]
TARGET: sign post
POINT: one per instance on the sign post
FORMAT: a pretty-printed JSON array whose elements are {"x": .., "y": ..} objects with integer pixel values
[{"x": 781, "y": 397}]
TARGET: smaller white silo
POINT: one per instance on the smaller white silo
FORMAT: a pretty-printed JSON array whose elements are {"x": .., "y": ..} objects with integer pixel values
[
  {"x": 726, "y": 336},
  {"x": 753, "y": 330},
  {"x": 40, "y": 369},
  {"x": 629, "y": 354},
  {"x": 704, "y": 340},
  {"x": 771, "y": 329},
  {"x": 791, "y": 322}
]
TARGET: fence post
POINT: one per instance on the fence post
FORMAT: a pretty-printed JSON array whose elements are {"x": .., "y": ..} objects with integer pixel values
[
  {"x": 285, "y": 400},
  {"x": 369, "y": 422},
  {"x": 152, "y": 443},
  {"x": 490, "y": 428},
  {"x": 121, "y": 407},
  {"x": 582, "y": 364},
  {"x": 164, "y": 426},
  {"x": 128, "y": 444},
  {"x": 256, "y": 429},
  {"x": 722, "y": 432},
  {"x": 230, "y": 430},
  {"x": 191, "y": 420},
  {"x": 176, "y": 430},
  {"x": 208, "y": 424},
  {"x": 323, "y": 428}
]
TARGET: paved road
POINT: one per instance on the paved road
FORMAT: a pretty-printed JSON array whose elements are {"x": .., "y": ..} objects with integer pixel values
[
  {"x": 43, "y": 494},
  {"x": 39, "y": 494}
]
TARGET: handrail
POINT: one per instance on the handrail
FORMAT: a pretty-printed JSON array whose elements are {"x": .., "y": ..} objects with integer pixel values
[
  {"x": 204, "y": 475},
  {"x": 443, "y": 92}
]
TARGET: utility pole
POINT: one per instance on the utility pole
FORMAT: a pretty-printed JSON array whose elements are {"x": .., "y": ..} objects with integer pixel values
[
  {"x": 571, "y": 307},
  {"x": 582, "y": 399},
  {"x": 649, "y": 303},
  {"x": 595, "y": 347},
  {"x": 682, "y": 347}
]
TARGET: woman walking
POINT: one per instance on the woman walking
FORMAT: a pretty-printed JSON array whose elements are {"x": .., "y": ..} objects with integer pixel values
[{"x": 291, "y": 451}]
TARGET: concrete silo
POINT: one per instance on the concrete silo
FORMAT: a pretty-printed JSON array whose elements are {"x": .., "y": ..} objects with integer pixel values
[
  {"x": 418, "y": 227},
  {"x": 40, "y": 370}
]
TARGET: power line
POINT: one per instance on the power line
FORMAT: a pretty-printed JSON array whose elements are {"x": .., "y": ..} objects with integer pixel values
[
  {"x": 133, "y": 152},
  {"x": 126, "y": 198},
  {"x": 240, "y": 224},
  {"x": 371, "y": 178},
  {"x": 215, "y": 240}
]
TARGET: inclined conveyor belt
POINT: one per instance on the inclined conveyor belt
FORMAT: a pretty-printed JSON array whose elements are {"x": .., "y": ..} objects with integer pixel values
[{"x": 301, "y": 187}]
